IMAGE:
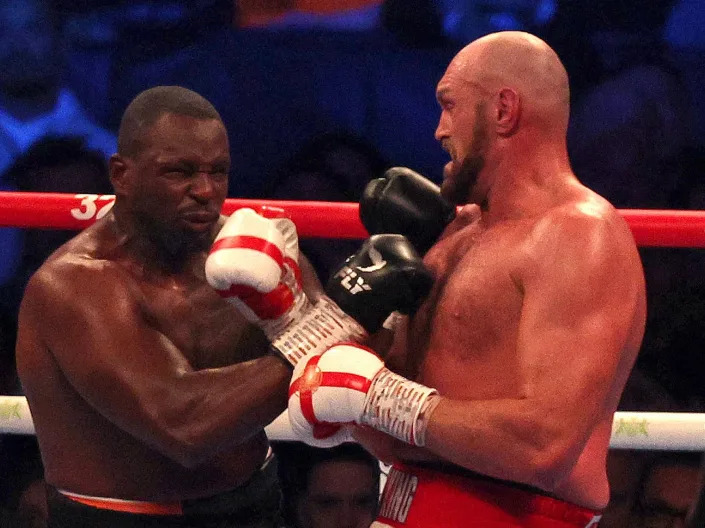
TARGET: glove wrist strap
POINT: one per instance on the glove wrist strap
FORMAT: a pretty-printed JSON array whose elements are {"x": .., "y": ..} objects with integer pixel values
[
  {"x": 317, "y": 329},
  {"x": 399, "y": 407}
]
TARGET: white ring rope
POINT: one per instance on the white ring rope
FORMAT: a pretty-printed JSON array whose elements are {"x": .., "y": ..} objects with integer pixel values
[{"x": 660, "y": 431}]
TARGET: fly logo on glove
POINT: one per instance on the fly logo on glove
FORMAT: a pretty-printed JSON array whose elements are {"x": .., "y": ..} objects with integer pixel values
[
  {"x": 385, "y": 275},
  {"x": 349, "y": 283}
]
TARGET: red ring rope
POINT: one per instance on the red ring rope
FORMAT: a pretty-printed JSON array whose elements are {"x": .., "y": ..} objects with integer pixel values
[{"x": 656, "y": 228}]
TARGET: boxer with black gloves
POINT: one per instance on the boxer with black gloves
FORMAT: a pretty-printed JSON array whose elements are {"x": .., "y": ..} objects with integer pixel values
[
  {"x": 535, "y": 319},
  {"x": 405, "y": 202}
]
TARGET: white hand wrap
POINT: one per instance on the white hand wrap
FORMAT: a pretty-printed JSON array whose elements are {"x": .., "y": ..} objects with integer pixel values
[
  {"x": 394, "y": 405},
  {"x": 317, "y": 329}
]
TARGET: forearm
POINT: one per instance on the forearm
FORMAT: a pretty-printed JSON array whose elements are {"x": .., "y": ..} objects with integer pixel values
[
  {"x": 216, "y": 409},
  {"x": 506, "y": 439}
]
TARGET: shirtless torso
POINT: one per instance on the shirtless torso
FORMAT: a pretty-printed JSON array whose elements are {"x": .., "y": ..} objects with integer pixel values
[
  {"x": 469, "y": 339},
  {"x": 96, "y": 426}
]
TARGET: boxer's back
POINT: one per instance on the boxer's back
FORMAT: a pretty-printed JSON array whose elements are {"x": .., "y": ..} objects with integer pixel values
[
  {"x": 80, "y": 446},
  {"x": 467, "y": 339}
]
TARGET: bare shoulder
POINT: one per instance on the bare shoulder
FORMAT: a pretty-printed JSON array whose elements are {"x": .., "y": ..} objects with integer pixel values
[
  {"x": 76, "y": 275},
  {"x": 589, "y": 223}
]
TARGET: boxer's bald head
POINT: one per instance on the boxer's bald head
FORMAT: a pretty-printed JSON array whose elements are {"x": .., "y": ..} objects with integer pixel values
[
  {"x": 523, "y": 63},
  {"x": 501, "y": 96}
]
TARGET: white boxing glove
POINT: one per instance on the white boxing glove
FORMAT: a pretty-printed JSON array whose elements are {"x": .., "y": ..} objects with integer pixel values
[
  {"x": 253, "y": 263},
  {"x": 318, "y": 436},
  {"x": 326, "y": 435},
  {"x": 348, "y": 384}
]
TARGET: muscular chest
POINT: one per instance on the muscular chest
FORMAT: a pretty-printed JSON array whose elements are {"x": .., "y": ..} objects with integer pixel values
[
  {"x": 472, "y": 314},
  {"x": 208, "y": 331}
]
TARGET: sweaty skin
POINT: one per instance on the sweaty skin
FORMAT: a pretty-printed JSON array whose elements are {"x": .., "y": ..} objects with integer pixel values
[
  {"x": 538, "y": 308},
  {"x": 143, "y": 383}
]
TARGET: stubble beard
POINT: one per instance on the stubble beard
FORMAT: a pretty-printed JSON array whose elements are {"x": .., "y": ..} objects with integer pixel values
[{"x": 174, "y": 244}]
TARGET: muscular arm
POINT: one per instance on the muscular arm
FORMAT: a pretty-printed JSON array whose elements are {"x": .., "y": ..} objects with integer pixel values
[
  {"x": 133, "y": 375},
  {"x": 582, "y": 305}
]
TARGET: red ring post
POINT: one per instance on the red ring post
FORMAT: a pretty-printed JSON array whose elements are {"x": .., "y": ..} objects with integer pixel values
[{"x": 651, "y": 227}]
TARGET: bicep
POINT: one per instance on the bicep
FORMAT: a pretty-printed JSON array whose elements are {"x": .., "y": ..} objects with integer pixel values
[
  {"x": 107, "y": 351},
  {"x": 577, "y": 313}
]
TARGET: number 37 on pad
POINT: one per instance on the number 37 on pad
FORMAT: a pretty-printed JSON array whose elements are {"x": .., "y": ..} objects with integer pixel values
[{"x": 92, "y": 206}]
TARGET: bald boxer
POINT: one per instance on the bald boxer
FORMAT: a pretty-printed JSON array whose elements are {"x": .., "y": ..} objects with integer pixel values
[
  {"x": 495, "y": 401},
  {"x": 149, "y": 392}
]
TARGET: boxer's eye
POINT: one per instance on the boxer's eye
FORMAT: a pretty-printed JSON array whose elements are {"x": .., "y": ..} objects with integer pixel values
[{"x": 177, "y": 172}]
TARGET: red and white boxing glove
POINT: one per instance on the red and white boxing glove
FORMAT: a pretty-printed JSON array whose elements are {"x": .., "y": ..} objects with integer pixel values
[
  {"x": 253, "y": 263},
  {"x": 326, "y": 435},
  {"x": 350, "y": 384}
]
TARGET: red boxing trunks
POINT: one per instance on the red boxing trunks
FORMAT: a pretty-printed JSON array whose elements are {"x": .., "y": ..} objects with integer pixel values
[{"x": 426, "y": 498}]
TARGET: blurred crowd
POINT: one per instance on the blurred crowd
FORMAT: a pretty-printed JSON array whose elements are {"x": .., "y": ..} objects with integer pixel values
[{"x": 320, "y": 97}]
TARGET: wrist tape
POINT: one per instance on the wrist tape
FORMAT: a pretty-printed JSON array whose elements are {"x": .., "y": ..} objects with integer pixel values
[
  {"x": 321, "y": 326},
  {"x": 399, "y": 407}
]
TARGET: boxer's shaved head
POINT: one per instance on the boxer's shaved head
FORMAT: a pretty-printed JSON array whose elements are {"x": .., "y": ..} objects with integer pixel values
[
  {"x": 150, "y": 105},
  {"x": 524, "y": 63}
]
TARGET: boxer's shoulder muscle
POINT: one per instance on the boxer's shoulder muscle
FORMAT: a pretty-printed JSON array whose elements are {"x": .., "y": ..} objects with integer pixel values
[{"x": 590, "y": 228}]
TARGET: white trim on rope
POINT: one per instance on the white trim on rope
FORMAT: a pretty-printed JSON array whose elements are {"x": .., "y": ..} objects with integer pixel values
[{"x": 630, "y": 430}]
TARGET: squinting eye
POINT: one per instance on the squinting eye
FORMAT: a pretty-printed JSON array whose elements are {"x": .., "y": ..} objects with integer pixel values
[{"x": 176, "y": 173}]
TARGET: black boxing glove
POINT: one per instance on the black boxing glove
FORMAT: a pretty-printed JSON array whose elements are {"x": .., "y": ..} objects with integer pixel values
[
  {"x": 404, "y": 202},
  {"x": 385, "y": 275}
]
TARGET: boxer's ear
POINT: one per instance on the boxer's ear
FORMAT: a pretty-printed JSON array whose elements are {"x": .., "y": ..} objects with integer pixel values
[
  {"x": 117, "y": 169},
  {"x": 508, "y": 111}
]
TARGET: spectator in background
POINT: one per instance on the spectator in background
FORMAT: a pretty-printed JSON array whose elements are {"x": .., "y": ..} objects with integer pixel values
[
  {"x": 331, "y": 167},
  {"x": 34, "y": 101},
  {"x": 668, "y": 489},
  {"x": 328, "y": 488},
  {"x": 630, "y": 113}
]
